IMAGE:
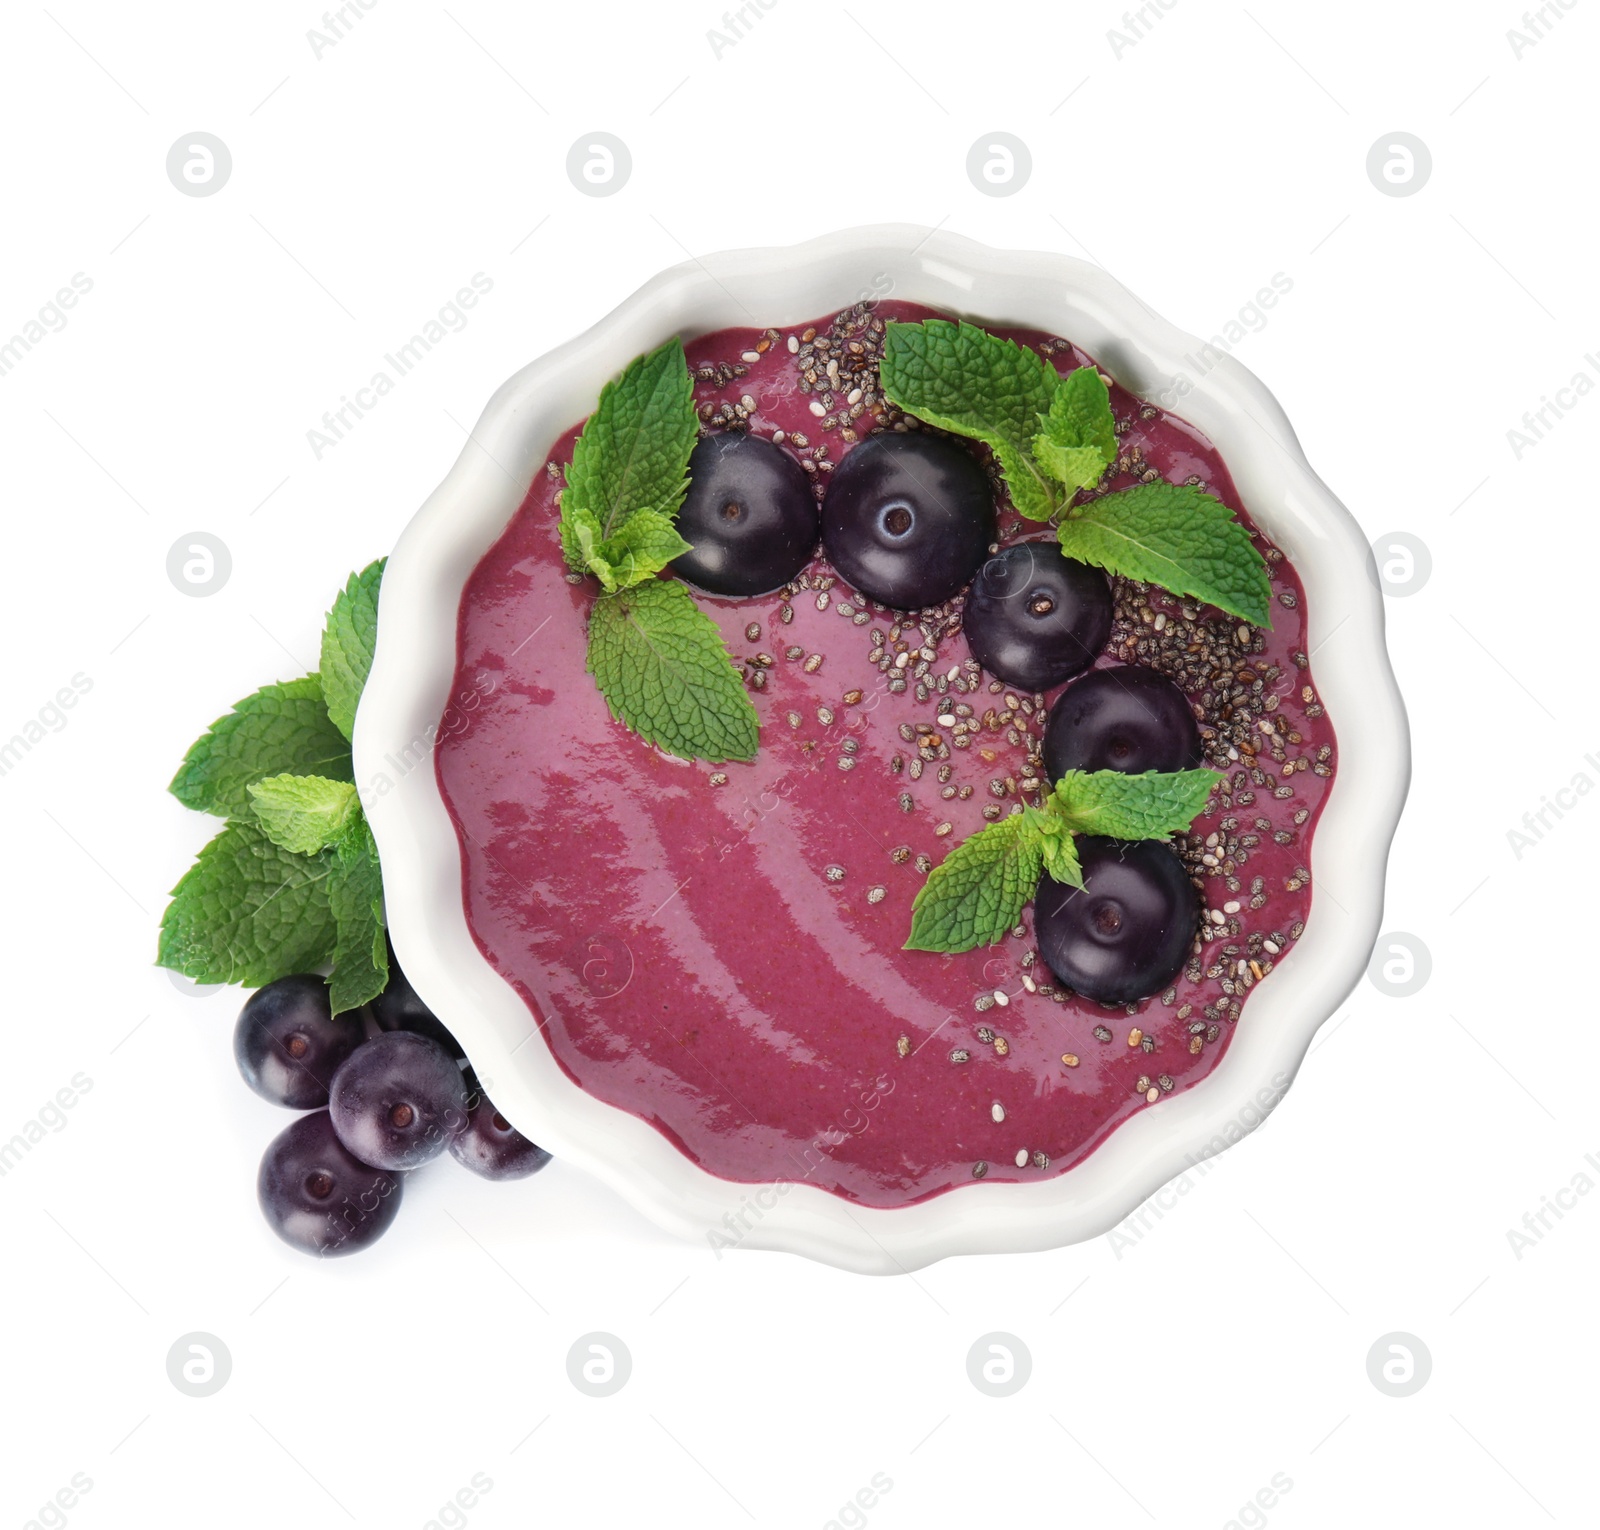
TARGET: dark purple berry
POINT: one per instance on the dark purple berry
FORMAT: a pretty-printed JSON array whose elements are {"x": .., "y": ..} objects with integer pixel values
[
  {"x": 1035, "y": 618},
  {"x": 749, "y": 516},
  {"x": 398, "y": 1008},
  {"x": 1125, "y": 933},
  {"x": 317, "y": 1196},
  {"x": 288, "y": 1043},
  {"x": 1125, "y": 718},
  {"x": 397, "y": 1100},
  {"x": 908, "y": 518},
  {"x": 491, "y": 1145}
]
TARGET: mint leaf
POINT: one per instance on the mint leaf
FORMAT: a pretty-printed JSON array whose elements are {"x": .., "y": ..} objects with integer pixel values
[
  {"x": 355, "y": 894},
  {"x": 962, "y": 378},
  {"x": 1078, "y": 467},
  {"x": 1060, "y": 853},
  {"x": 347, "y": 644},
  {"x": 1176, "y": 536},
  {"x": 1079, "y": 439},
  {"x": 248, "y": 912},
  {"x": 304, "y": 814},
  {"x": 280, "y": 728},
  {"x": 581, "y": 537},
  {"x": 643, "y": 545},
  {"x": 974, "y": 896},
  {"x": 1154, "y": 805},
  {"x": 1080, "y": 413},
  {"x": 664, "y": 670},
  {"x": 634, "y": 449},
  {"x": 567, "y": 526}
]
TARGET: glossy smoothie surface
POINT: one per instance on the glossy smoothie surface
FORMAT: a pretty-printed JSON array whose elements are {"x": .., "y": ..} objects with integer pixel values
[{"x": 717, "y": 948}]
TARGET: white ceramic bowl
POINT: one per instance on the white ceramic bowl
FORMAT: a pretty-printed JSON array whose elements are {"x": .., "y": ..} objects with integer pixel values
[{"x": 408, "y": 691}]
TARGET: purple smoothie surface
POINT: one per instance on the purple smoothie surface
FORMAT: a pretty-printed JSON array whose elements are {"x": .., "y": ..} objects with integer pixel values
[{"x": 717, "y": 948}]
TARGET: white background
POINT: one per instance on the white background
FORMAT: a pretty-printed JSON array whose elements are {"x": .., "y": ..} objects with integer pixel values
[{"x": 1172, "y": 1377}]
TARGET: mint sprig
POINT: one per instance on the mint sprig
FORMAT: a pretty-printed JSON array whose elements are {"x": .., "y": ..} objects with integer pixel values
[
  {"x": 657, "y": 658},
  {"x": 977, "y": 893},
  {"x": 1053, "y": 437},
  {"x": 631, "y": 457},
  {"x": 292, "y": 883}
]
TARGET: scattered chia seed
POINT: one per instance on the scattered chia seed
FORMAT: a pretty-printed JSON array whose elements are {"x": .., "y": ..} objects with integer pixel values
[{"x": 1256, "y": 722}]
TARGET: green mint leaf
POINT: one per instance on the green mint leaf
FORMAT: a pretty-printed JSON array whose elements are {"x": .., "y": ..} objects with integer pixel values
[
  {"x": 571, "y": 546},
  {"x": 1178, "y": 537},
  {"x": 248, "y": 912},
  {"x": 962, "y": 378},
  {"x": 1078, "y": 467},
  {"x": 664, "y": 670},
  {"x": 974, "y": 896},
  {"x": 304, "y": 814},
  {"x": 1079, "y": 439},
  {"x": 1080, "y": 413},
  {"x": 281, "y": 728},
  {"x": 643, "y": 545},
  {"x": 347, "y": 643},
  {"x": 633, "y": 452},
  {"x": 1155, "y": 805},
  {"x": 355, "y": 894},
  {"x": 581, "y": 537},
  {"x": 1060, "y": 853}
]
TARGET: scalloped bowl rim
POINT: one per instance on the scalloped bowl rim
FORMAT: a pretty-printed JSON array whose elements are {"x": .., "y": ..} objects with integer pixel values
[{"x": 409, "y": 689}]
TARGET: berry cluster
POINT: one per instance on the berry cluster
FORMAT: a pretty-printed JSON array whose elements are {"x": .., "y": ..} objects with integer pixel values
[{"x": 388, "y": 1089}]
